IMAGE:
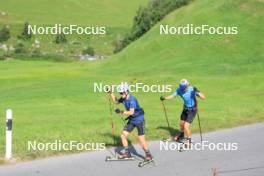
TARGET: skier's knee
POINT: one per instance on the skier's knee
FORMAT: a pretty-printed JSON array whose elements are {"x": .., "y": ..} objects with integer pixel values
[
  {"x": 182, "y": 125},
  {"x": 186, "y": 126}
]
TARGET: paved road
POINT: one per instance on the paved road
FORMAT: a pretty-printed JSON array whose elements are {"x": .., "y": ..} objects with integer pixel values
[{"x": 247, "y": 160}]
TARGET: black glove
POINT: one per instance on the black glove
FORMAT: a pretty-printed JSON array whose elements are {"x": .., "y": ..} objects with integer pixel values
[
  {"x": 118, "y": 111},
  {"x": 162, "y": 98}
]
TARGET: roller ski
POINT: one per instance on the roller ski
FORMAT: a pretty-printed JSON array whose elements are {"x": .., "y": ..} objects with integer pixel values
[
  {"x": 149, "y": 159},
  {"x": 122, "y": 157},
  {"x": 186, "y": 146},
  {"x": 174, "y": 139}
]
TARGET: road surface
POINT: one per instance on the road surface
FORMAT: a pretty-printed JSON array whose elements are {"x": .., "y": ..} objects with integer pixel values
[{"x": 248, "y": 160}]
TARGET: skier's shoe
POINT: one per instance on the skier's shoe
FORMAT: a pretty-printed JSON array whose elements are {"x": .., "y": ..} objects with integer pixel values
[
  {"x": 126, "y": 155},
  {"x": 187, "y": 145},
  {"x": 179, "y": 137},
  {"x": 148, "y": 157}
]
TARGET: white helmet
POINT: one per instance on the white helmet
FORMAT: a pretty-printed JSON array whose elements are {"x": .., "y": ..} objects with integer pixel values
[
  {"x": 123, "y": 87},
  {"x": 183, "y": 84}
]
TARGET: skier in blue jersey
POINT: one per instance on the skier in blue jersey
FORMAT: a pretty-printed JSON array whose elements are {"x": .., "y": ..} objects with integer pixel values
[
  {"x": 188, "y": 93},
  {"x": 135, "y": 116}
]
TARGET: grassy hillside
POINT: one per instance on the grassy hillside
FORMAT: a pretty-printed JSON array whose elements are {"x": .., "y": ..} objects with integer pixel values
[
  {"x": 59, "y": 98},
  {"x": 202, "y": 54},
  {"x": 111, "y": 13},
  {"x": 115, "y": 15}
]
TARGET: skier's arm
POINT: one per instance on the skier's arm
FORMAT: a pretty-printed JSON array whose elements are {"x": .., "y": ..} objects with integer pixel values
[
  {"x": 113, "y": 97},
  {"x": 162, "y": 98},
  {"x": 130, "y": 112},
  {"x": 201, "y": 95},
  {"x": 169, "y": 97}
]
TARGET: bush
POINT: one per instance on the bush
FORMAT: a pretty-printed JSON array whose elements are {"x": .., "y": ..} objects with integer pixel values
[
  {"x": 89, "y": 50},
  {"x": 146, "y": 18},
  {"x": 25, "y": 35},
  {"x": 20, "y": 48},
  {"x": 4, "y": 34},
  {"x": 60, "y": 38},
  {"x": 36, "y": 52}
]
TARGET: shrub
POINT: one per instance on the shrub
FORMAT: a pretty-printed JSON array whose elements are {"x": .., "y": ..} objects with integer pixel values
[
  {"x": 60, "y": 38},
  {"x": 4, "y": 34},
  {"x": 89, "y": 50},
  {"x": 36, "y": 52},
  {"x": 20, "y": 48}
]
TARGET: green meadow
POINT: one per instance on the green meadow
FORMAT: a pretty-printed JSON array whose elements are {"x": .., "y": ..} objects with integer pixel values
[
  {"x": 55, "y": 100},
  {"x": 115, "y": 15}
]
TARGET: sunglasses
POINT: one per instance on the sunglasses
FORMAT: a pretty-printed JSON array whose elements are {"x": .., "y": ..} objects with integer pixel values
[{"x": 122, "y": 93}]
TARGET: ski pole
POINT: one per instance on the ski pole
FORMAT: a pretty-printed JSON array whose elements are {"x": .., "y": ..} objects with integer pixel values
[
  {"x": 166, "y": 116},
  {"x": 201, "y": 135},
  {"x": 111, "y": 120}
]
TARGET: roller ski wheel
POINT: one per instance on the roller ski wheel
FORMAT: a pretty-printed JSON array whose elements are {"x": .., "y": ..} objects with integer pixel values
[
  {"x": 173, "y": 140},
  {"x": 145, "y": 162},
  {"x": 186, "y": 147}
]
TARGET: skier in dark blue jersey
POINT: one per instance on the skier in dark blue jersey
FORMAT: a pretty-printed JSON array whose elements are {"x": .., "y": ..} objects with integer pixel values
[
  {"x": 188, "y": 93},
  {"x": 135, "y": 116}
]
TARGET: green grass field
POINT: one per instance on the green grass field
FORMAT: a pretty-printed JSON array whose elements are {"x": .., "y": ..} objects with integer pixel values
[
  {"x": 112, "y": 13},
  {"x": 115, "y": 15},
  {"x": 54, "y": 100}
]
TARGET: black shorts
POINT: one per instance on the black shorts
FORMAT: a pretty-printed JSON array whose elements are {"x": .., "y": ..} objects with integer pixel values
[
  {"x": 140, "y": 128},
  {"x": 188, "y": 115}
]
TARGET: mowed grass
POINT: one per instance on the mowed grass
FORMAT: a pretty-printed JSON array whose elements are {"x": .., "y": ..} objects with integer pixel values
[{"x": 56, "y": 100}]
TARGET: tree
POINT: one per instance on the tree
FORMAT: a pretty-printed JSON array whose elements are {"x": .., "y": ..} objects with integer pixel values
[{"x": 25, "y": 33}]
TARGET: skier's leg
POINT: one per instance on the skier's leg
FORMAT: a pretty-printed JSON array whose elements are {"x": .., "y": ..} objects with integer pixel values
[
  {"x": 190, "y": 117},
  {"x": 187, "y": 130},
  {"x": 125, "y": 133},
  {"x": 182, "y": 122},
  {"x": 142, "y": 140},
  {"x": 181, "y": 125},
  {"x": 124, "y": 136}
]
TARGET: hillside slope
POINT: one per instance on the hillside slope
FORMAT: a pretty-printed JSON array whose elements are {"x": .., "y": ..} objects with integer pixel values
[
  {"x": 115, "y": 15},
  {"x": 111, "y": 13},
  {"x": 201, "y": 54}
]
